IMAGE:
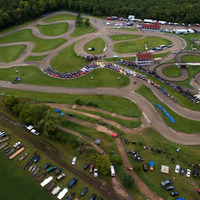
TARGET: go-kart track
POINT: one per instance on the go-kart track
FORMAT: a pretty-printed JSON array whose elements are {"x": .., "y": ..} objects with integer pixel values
[{"x": 150, "y": 116}]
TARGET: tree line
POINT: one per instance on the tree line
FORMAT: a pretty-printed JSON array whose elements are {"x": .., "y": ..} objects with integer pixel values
[{"x": 15, "y": 12}]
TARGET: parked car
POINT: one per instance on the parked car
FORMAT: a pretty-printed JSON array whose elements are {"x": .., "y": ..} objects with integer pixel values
[
  {"x": 166, "y": 182},
  {"x": 72, "y": 182},
  {"x": 112, "y": 170},
  {"x": 145, "y": 168},
  {"x": 36, "y": 159},
  {"x": 95, "y": 172},
  {"x": 182, "y": 171},
  {"x": 70, "y": 197},
  {"x": 50, "y": 169},
  {"x": 84, "y": 191},
  {"x": 74, "y": 161},
  {"x": 91, "y": 168},
  {"x": 86, "y": 166},
  {"x": 47, "y": 165},
  {"x": 16, "y": 144},
  {"x": 177, "y": 168},
  {"x": 93, "y": 197},
  {"x": 174, "y": 193},
  {"x": 171, "y": 187},
  {"x": 8, "y": 149},
  {"x": 195, "y": 173},
  {"x": 61, "y": 176},
  {"x": 19, "y": 146},
  {"x": 100, "y": 198},
  {"x": 58, "y": 171},
  {"x": 188, "y": 173}
]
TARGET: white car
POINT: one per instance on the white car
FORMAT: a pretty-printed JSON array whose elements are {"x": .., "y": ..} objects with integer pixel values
[
  {"x": 188, "y": 173},
  {"x": 16, "y": 144},
  {"x": 95, "y": 172},
  {"x": 74, "y": 161},
  {"x": 177, "y": 168}
]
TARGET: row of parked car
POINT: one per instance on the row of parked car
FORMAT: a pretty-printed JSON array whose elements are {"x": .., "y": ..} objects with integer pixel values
[
  {"x": 188, "y": 171},
  {"x": 167, "y": 184},
  {"x": 31, "y": 129}
]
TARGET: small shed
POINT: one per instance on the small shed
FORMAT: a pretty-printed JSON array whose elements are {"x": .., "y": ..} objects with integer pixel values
[
  {"x": 165, "y": 169},
  {"x": 114, "y": 135},
  {"x": 97, "y": 141}
]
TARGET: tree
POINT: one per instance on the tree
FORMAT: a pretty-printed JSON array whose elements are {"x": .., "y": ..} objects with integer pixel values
[
  {"x": 79, "y": 20},
  {"x": 87, "y": 23},
  {"x": 11, "y": 101},
  {"x": 103, "y": 164},
  {"x": 127, "y": 180}
]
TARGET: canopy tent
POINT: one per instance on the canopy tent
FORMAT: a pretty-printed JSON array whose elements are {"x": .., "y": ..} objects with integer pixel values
[
  {"x": 114, "y": 135},
  {"x": 97, "y": 141},
  {"x": 57, "y": 110},
  {"x": 62, "y": 114},
  {"x": 165, "y": 169}
]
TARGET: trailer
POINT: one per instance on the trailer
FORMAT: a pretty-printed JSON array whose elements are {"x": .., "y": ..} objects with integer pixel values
[
  {"x": 10, "y": 152},
  {"x": 28, "y": 163},
  {"x": 3, "y": 145},
  {"x": 23, "y": 157},
  {"x": 41, "y": 177},
  {"x": 51, "y": 186},
  {"x": 16, "y": 153},
  {"x": 56, "y": 190},
  {"x": 4, "y": 139},
  {"x": 46, "y": 181},
  {"x": 35, "y": 173},
  {"x": 62, "y": 193}
]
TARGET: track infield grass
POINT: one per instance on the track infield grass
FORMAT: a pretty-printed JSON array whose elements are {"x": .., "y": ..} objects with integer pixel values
[
  {"x": 181, "y": 124},
  {"x": 191, "y": 59},
  {"x": 172, "y": 71},
  {"x": 136, "y": 45},
  {"x": 53, "y": 29},
  {"x": 98, "y": 44},
  {"x": 11, "y": 53},
  {"x": 34, "y": 58},
  {"x": 41, "y": 45},
  {"x": 123, "y": 37}
]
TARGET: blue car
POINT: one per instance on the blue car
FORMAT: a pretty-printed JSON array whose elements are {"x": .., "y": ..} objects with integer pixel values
[{"x": 36, "y": 159}]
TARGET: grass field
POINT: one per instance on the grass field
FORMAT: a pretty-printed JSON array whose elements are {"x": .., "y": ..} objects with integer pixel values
[
  {"x": 181, "y": 124},
  {"x": 127, "y": 29},
  {"x": 82, "y": 30},
  {"x": 60, "y": 17},
  {"x": 135, "y": 46},
  {"x": 160, "y": 55},
  {"x": 172, "y": 71},
  {"x": 67, "y": 60},
  {"x": 190, "y": 59},
  {"x": 11, "y": 53},
  {"x": 192, "y": 71},
  {"x": 98, "y": 44},
  {"x": 16, "y": 185},
  {"x": 40, "y": 44},
  {"x": 34, "y": 58},
  {"x": 53, "y": 29},
  {"x": 123, "y": 37},
  {"x": 186, "y": 156},
  {"x": 33, "y": 75}
]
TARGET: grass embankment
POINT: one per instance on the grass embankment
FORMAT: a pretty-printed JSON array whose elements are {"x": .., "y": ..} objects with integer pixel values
[
  {"x": 33, "y": 75},
  {"x": 126, "y": 29},
  {"x": 187, "y": 155},
  {"x": 181, "y": 124},
  {"x": 118, "y": 59},
  {"x": 182, "y": 100},
  {"x": 22, "y": 186},
  {"x": 60, "y": 17},
  {"x": 53, "y": 29},
  {"x": 160, "y": 55},
  {"x": 191, "y": 59},
  {"x": 81, "y": 30},
  {"x": 123, "y": 37},
  {"x": 192, "y": 71},
  {"x": 41, "y": 45},
  {"x": 136, "y": 45},
  {"x": 11, "y": 53},
  {"x": 34, "y": 58},
  {"x": 98, "y": 44},
  {"x": 172, "y": 71}
]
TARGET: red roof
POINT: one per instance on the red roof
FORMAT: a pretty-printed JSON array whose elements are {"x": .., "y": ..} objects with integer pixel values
[
  {"x": 151, "y": 26},
  {"x": 143, "y": 56}
]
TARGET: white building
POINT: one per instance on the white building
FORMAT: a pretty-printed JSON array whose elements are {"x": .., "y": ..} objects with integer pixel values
[{"x": 143, "y": 59}]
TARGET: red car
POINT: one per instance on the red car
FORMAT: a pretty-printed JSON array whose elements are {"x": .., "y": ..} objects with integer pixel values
[{"x": 91, "y": 168}]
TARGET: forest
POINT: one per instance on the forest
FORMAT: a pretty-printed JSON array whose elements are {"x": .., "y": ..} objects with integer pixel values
[{"x": 15, "y": 12}]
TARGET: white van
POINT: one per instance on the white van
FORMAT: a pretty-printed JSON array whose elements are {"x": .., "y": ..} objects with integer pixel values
[{"x": 112, "y": 170}]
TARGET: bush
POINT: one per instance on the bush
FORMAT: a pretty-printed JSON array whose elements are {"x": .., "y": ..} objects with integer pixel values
[
  {"x": 127, "y": 180},
  {"x": 11, "y": 101},
  {"x": 80, "y": 102}
]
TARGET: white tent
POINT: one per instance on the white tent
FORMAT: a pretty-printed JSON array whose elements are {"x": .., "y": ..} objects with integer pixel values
[{"x": 165, "y": 169}]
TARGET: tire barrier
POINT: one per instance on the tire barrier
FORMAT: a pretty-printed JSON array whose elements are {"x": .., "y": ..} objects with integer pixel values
[{"x": 167, "y": 114}]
